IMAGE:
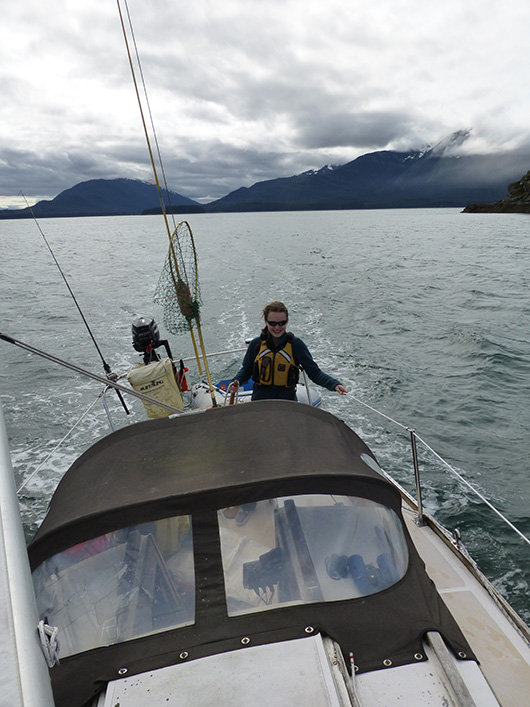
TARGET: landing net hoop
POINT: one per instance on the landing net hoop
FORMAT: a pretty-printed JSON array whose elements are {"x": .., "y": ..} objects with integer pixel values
[
  {"x": 178, "y": 292},
  {"x": 178, "y": 289}
]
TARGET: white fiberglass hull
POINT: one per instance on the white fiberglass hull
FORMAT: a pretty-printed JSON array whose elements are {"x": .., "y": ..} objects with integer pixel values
[{"x": 202, "y": 398}]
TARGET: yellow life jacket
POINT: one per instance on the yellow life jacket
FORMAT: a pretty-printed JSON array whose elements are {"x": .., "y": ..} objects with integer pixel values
[{"x": 275, "y": 368}]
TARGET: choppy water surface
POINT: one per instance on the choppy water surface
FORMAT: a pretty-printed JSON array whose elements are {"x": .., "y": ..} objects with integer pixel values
[{"x": 423, "y": 314}]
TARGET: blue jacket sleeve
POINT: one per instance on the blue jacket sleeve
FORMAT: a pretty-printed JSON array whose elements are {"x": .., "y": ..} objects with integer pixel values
[
  {"x": 303, "y": 356},
  {"x": 245, "y": 372}
]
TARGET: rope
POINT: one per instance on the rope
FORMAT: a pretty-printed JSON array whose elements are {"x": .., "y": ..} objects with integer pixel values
[
  {"x": 155, "y": 137},
  {"x": 382, "y": 414},
  {"x": 49, "y": 643}
]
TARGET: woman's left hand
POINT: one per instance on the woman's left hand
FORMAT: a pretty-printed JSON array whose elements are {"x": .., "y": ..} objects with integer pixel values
[{"x": 341, "y": 390}]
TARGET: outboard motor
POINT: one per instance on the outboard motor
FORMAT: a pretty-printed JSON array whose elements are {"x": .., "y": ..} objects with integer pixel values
[
  {"x": 145, "y": 334},
  {"x": 157, "y": 377},
  {"x": 146, "y": 338}
]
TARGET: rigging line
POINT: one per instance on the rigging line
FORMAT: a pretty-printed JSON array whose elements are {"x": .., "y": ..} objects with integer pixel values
[
  {"x": 449, "y": 466},
  {"x": 105, "y": 364},
  {"x": 155, "y": 137},
  {"x": 146, "y": 132},
  {"x": 173, "y": 261},
  {"x": 390, "y": 419},
  {"x": 139, "y": 100},
  {"x": 107, "y": 382},
  {"x": 50, "y": 455},
  {"x": 164, "y": 213},
  {"x": 473, "y": 489}
]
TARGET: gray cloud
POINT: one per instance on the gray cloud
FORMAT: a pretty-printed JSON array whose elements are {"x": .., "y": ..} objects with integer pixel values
[
  {"x": 243, "y": 92},
  {"x": 375, "y": 129}
]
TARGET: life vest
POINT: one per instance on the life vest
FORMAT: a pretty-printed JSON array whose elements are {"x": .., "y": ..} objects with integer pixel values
[{"x": 276, "y": 368}]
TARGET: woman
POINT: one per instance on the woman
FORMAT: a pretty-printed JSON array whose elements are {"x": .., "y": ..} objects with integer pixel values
[{"x": 273, "y": 360}]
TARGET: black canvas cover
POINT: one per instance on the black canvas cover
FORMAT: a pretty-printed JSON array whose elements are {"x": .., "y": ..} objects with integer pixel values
[
  {"x": 215, "y": 459},
  {"x": 218, "y": 456}
]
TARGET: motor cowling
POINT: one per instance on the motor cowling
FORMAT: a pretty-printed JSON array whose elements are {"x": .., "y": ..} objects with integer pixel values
[{"x": 145, "y": 334}]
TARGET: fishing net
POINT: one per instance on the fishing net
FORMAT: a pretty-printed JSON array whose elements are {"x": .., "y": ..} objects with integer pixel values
[{"x": 178, "y": 286}]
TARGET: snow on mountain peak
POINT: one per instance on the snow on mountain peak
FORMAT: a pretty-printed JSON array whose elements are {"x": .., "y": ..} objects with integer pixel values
[{"x": 451, "y": 143}]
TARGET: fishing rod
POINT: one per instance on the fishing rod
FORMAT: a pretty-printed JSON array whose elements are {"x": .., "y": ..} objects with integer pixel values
[
  {"x": 180, "y": 286},
  {"x": 106, "y": 367},
  {"x": 108, "y": 382}
]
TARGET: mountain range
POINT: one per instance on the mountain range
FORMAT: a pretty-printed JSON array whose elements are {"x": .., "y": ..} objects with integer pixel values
[
  {"x": 104, "y": 197},
  {"x": 439, "y": 176},
  {"x": 436, "y": 177}
]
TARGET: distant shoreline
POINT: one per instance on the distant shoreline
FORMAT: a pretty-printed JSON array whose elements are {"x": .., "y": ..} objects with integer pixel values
[{"x": 499, "y": 207}]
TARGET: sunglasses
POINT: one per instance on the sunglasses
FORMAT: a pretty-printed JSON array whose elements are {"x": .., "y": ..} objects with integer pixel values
[{"x": 282, "y": 323}]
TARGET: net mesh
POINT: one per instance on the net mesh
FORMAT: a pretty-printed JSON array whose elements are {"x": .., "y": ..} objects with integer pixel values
[{"x": 178, "y": 286}]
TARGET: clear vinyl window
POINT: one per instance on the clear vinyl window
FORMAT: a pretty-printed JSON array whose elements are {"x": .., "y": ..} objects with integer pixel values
[
  {"x": 311, "y": 548},
  {"x": 116, "y": 587}
]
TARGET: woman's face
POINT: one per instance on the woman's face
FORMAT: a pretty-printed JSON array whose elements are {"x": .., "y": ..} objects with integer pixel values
[{"x": 276, "y": 323}]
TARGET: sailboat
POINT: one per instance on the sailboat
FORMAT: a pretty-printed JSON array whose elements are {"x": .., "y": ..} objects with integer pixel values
[
  {"x": 146, "y": 585},
  {"x": 145, "y": 589}
]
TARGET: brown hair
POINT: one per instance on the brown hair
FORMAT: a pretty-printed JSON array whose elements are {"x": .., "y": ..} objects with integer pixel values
[{"x": 272, "y": 307}]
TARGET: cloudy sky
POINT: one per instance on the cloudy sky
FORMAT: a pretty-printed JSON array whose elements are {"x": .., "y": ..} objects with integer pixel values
[{"x": 244, "y": 91}]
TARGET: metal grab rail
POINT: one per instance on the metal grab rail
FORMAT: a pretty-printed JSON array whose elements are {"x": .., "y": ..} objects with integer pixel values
[
  {"x": 190, "y": 359},
  {"x": 474, "y": 490}
]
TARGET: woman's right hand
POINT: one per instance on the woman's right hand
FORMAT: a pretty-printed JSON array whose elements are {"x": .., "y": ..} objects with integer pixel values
[{"x": 233, "y": 387}]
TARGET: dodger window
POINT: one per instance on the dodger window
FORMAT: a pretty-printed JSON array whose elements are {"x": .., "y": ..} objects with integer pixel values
[
  {"x": 310, "y": 548},
  {"x": 129, "y": 583}
]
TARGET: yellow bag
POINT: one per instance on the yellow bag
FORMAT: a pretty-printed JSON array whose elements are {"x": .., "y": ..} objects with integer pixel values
[{"x": 157, "y": 380}]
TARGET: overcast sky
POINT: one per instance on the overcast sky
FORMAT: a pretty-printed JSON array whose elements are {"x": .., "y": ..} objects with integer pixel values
[{"x": 244, "y": 91}]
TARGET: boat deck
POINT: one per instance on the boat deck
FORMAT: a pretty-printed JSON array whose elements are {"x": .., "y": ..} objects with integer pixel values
[{"x": 503, "y": 652}]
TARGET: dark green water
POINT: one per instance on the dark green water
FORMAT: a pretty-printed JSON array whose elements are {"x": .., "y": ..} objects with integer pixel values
[{"x": 423, "y": 314}]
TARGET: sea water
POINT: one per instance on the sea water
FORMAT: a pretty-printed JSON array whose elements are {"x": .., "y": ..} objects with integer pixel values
[{"x": 422, "y": 314}]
